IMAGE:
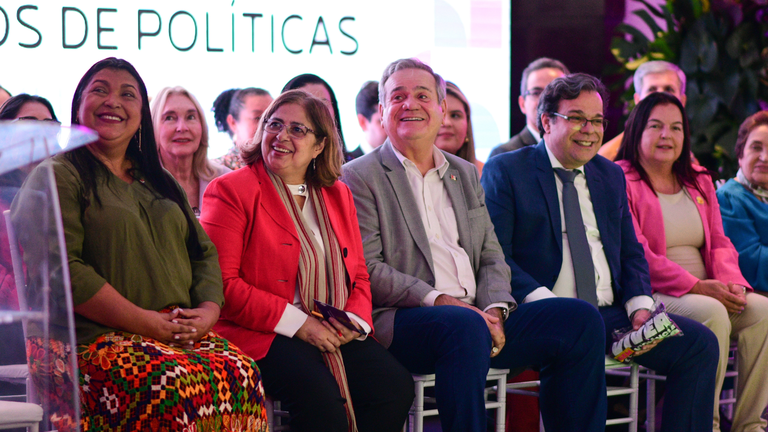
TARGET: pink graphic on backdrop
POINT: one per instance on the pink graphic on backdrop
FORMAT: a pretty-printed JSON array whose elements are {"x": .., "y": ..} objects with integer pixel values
[
  {"x": 425, "y": 57},
  {"x": 449, "y": 26},
  {"x": 485, "y": 24}
]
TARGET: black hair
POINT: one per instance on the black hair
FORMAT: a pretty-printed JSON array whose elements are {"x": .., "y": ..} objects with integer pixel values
[
  {"x": 300, "y": 81},
  {"x": 629, "y": 150},
  {"x": 231, "y": 102},
  {"x": 568, "y": 87},
  {"x": 10, "y": 109},
  {"x": 367, "y": 100},
  {"x": 144, "y": 157}
]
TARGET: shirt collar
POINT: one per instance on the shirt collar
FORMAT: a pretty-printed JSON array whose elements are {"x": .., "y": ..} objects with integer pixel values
[
  {"x": 534, "y": 132},
  {"x": 441, "y": 163},
  {"x": 556, "y": 163}
]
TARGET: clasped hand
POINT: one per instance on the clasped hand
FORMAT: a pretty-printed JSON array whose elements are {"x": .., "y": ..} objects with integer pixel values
[
  {"x": 327, "y": 336},
  {"x": 732, "y": 296},
  {"x": 182, "y": 327}
]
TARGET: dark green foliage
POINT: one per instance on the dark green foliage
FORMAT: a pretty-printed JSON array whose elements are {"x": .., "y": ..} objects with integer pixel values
[{"x": 722, "y": 46}]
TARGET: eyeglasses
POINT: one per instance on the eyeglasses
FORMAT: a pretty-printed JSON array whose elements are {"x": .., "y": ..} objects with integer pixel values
[
  {"x": 294, "y": 130},
  {"x": 535, "y": 92},
  {"x": 30, "y": 118},
  {"x": 597, "y": 123}
]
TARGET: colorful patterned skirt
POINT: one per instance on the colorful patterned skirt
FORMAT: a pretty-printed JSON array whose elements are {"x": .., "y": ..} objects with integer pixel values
[{"x": 129, "y": 383}]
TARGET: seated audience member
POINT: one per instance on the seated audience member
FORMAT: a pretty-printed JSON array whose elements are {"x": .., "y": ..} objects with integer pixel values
[
  {"x": 562, "y": 219},
  {"x": 181, "y": 133},
  {"x": 19, "y": 107},
  {"x": 367, "y": 107},
  {"x": 4, "y": 95},
  {"x": 744, "y": 201},
  {"x": 455, "y": 135},
  {"x": 438, "y": 278},
  {"x": 145, "y": 278},
  {"x": 650, "y": 77},
  {"x": 536, "y": 76},
  {"x": 320, "y": 89},
  {"x": 287, "y": 235},
  {"x": 238, "y": 113},
  {"x": 27, "y": 107},
  {"x": 694, "y": 268}
]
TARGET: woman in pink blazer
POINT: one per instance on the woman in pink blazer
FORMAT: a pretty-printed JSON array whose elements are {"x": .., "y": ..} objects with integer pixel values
[
  {"x": 694, "y": 267},
  {"x": 287, "y": 234}
]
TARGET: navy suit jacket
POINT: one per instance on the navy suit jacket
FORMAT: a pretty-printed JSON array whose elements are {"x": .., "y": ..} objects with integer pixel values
[{"x": 521, "y": 196}]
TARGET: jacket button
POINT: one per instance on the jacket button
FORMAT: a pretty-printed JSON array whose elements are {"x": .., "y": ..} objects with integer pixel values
[
  {"x": 353, "y": 285},
  {"x": 345, "y": 252},
  {"x": 431, "y": 282}
]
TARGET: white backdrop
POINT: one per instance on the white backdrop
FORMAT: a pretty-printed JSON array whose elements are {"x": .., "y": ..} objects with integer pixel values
[{"x": 213, "y": 45}]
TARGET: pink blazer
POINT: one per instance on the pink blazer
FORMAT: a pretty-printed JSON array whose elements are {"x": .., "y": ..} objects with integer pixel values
[
  {"x": 720, "y": 257},
  {"x": 259, "y": 254}
]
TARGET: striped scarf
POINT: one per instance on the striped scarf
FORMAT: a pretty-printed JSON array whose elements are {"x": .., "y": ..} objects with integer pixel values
[{"x": 318, "y": 279}]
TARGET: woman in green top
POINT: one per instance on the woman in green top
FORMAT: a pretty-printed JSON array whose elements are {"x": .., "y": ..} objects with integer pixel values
[{"x": 145, "y": 277}]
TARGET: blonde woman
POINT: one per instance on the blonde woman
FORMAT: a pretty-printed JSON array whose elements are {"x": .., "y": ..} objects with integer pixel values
[{"x": 181, "y": 133}]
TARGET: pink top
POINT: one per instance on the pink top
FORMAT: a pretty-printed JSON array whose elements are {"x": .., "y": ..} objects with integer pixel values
[{"x": 667, "y": 277}]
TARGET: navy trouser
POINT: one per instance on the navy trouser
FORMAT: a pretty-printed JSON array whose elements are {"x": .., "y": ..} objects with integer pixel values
[
  {"x": 690, "y": 364},
  {"x": 562, "y": 338}
]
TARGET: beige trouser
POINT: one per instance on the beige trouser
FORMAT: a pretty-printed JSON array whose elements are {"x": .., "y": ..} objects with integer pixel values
[{"x": 750, "y": 330}]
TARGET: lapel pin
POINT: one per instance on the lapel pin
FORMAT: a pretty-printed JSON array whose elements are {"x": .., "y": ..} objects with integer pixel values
[
  {"x": 453, "y": 177},
  {"x": 700, "y": 200}
]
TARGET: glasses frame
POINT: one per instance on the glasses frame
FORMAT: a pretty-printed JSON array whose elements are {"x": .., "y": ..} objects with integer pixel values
[
  {"x": 30, "y": 118},
  {"x": 535, "y": 92},
  {"x": 573, "y": 120},
  {"x": 284, "y": 126}
]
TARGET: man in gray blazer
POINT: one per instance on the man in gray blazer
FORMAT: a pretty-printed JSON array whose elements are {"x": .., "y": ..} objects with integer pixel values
[
  {"x": 536, "y": 76},
  {"x": 439, "y": 283}
]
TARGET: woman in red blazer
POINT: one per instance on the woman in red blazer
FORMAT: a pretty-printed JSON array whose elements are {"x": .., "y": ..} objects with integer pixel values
[
  {"x": 694, "y": 267},
  {"x": 287, "y": 234}
]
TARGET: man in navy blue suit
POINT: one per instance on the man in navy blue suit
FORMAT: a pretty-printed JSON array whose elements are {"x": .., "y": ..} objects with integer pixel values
[{"x": 562, "y": 219}]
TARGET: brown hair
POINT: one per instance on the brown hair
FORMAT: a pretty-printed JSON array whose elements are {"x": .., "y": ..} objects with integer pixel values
[
  {"x": 757, "y": 119},
  {"x": 467, "y": 150},
  {"x": 329, "y": 161}
]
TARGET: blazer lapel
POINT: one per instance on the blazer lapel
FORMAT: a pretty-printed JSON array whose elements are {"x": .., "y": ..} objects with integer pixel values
[
  {"x": 701, "y": 206},
  {"x": 271, "y": 202},
  {"x": 405, "y": 199},
  {"x": 451, "y": 182},
  {"x": 546, "y": 179}
]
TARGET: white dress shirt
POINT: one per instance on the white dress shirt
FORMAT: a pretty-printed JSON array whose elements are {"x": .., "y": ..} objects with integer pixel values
[
  {"x": 565, "y": 286},
  {"x": 454, "y": 274},
  {"x": 293, "y": 316}
]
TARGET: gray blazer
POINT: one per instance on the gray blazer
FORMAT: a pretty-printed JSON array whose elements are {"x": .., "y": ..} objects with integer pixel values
[
  {"x": 396, "y": 247},
  {"x": 523, "y": 139}
]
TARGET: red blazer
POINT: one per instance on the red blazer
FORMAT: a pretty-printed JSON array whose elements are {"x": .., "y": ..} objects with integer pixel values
[
  {"x": 259, "y": 254},
  {"x": 720, "y": 257}
]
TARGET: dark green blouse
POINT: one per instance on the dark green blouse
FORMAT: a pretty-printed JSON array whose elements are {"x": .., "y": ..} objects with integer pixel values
[{"x": 133, "y": 241}]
